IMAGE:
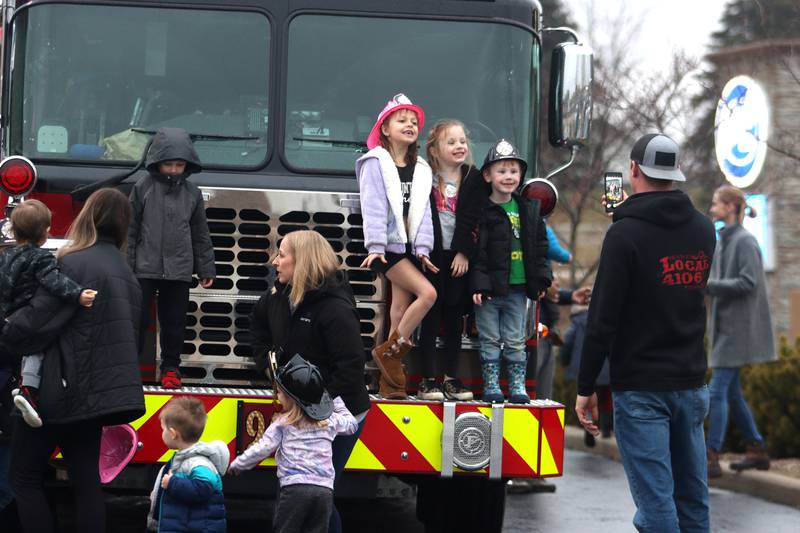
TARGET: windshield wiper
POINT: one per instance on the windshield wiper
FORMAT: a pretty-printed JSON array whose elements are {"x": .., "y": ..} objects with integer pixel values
[
  {"x": 82, "y": 192},
  {"x": 362, "y": 145},
  {"x": 206, "y": 136}
]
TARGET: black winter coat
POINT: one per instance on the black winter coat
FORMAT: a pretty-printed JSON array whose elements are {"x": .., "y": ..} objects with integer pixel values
[
  {"x": 91, "y": 363},
  {"x": 472, "y": 196},
  {"x": 492, "y": 265},
  {"x": 324, "y": 329},
  {"x": 25, "y": 268}
]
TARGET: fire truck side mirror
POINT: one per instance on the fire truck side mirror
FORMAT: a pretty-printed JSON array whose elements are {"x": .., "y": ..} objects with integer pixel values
[{"x": 570, "y": 112}]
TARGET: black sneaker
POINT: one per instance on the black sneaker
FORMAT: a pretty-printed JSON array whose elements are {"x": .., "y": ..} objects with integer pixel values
[
  {"x": 455, "y": 390},
  {"x": 430, "y": 390},
  {"x": 26, "y": 399}
]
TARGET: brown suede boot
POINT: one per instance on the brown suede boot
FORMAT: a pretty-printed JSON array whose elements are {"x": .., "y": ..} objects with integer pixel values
[
  {"x": 755, "y": 457},
  {"x": 714, "y": 470},
  {"x": 388, "y": 357},
  {"x": 389, "y": 391}
]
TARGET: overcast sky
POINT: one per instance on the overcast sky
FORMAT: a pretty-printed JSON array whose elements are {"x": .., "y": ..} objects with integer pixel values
[{"x": 686, "y": 24}]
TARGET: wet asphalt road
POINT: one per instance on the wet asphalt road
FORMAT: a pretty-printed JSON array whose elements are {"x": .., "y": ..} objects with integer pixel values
[{"x": 592, "y": 496}]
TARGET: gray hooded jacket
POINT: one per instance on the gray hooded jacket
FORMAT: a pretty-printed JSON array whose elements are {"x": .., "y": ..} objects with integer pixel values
[
  {"x": 168, "y": 236},
  {"x": 741, "y": 328}
]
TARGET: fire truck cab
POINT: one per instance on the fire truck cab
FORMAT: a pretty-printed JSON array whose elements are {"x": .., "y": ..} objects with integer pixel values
[{"x": 282, "y": 95}]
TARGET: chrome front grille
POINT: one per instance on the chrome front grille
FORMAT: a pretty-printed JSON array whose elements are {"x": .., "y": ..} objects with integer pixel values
[{"x": 246, "y": 227}]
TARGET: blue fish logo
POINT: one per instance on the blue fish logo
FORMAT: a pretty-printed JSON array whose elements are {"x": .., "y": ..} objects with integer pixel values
[{"x": 741, "y": 128}]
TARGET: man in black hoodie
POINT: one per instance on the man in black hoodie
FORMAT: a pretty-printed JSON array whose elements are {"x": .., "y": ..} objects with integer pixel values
[{"x": 647, "y": 315}]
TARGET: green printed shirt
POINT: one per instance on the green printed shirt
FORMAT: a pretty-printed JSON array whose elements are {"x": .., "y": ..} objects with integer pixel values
[{"x": 516, "y": 275}]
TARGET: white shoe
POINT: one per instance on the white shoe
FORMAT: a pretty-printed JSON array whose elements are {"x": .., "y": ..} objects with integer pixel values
[{"x": 29, "y": 414}]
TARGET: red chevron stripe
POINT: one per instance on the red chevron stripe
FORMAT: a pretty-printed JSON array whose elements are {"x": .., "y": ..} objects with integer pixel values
[
  {"x": 552, "y": 430},
  {"x": 387, "y": 443},
  {"x": 150, "y": 432},
  {"x": 513, "y": 463},
  {"x": 150, "y": 436}
]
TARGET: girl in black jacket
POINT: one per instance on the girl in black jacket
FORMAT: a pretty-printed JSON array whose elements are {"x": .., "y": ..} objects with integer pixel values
[
  {"x": 90, "y": 377},
  {"x": 458, "y": 194},
  {"x": 311, "y": 311}
]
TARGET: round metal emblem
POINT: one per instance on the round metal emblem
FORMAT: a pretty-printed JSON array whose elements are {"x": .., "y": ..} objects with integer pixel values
[
  {"x": 472, "y": 438},
  {"x": 504, "y": 148}
]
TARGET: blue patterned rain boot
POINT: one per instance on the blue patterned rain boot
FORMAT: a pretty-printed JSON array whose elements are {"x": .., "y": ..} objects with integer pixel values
[
  {"x": 491, "y": 382},
  {"x": 516, "y": 383}
]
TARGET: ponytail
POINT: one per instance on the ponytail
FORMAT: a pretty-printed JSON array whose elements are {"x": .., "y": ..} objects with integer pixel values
[{"x": 731, "y": 195}]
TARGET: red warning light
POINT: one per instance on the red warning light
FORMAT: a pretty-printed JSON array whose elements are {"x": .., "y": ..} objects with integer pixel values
[
  {"x": 544, "y": 191},
  {"x": 17, "y": 176}
]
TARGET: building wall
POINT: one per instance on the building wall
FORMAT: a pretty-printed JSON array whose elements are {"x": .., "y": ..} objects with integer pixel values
[{"x": 776, "y": 66}]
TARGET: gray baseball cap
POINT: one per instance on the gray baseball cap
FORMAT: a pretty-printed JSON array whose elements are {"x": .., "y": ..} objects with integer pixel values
[{"x": 657, "y": 156}]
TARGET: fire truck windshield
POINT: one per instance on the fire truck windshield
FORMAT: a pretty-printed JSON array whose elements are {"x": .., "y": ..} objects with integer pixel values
[
  {"x": 342, "y": 70},
  {"x": 83, "y": 77}
]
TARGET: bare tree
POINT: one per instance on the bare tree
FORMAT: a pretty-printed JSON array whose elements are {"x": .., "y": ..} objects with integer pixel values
[{"x": 627, "y": 103}]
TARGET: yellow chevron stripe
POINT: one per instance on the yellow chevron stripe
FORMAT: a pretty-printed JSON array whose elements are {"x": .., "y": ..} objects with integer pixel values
[
  {"x": 362, "y": 458},
  {"x": 424, "y": 431},
  {"x": 166, "y": 457},
  {"x": 152, "y": 403},
  {"x": 548, "y": 461},
  {"x": 561, "y": 417},
  {"x": 221, "y": 425},
  {"x": 521, "y": 431}
]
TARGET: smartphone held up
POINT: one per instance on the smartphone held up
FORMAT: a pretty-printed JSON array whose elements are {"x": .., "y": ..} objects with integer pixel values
[{"x": 613, "y": 190}]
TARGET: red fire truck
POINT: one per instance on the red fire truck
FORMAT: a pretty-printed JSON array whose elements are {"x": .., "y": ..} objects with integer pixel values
[{"x": 281, "y": 96}]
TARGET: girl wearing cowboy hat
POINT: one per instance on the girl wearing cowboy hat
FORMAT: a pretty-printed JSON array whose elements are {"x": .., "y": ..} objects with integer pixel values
[{"x": 395, "y": 186}]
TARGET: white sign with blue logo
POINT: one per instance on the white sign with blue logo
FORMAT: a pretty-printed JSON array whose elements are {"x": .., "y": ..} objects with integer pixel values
[{"x": 741, "y": 130}]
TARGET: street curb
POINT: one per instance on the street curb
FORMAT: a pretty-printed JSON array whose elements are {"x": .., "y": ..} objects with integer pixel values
[{"x": 776, "y": 488}]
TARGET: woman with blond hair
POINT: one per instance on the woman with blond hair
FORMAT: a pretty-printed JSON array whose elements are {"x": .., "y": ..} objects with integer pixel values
[
  {"x": 90, "y": 374},
  {"x": 311, "y": 311},
  {"x": 740, "y": 330}
]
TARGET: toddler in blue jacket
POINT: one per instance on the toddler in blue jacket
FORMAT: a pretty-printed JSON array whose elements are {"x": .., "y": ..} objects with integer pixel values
[{"x": 187, "y": 495}]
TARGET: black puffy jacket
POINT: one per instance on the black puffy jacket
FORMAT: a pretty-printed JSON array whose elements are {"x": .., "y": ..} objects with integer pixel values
[
  {"x": 472, "y": 196},
  {"x": 324, "y": 329},
  {"x": 91, "y": 363},
  {"x": 492, "y": 264}
]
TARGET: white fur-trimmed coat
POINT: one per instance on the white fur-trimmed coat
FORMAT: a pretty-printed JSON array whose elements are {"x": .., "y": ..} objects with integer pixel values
[{"x": 385, "y": 229}]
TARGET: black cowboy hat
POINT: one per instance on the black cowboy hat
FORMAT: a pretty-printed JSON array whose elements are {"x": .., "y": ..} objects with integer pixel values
[{"x": 302, "y": 381}]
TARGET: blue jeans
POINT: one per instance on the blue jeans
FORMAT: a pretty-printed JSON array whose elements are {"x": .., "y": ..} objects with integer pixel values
[
  {"x": 726, "y": 392},
  {"x": 661, "y": 442},
  {"x": 501, "y": 327}
]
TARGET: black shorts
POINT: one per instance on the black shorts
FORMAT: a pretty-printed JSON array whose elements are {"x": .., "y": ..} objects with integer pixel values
[{"x": 392, "y": 259}]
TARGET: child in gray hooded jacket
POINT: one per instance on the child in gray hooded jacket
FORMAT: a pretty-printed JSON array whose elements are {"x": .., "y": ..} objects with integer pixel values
[{"x": 169, "y": 241}]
